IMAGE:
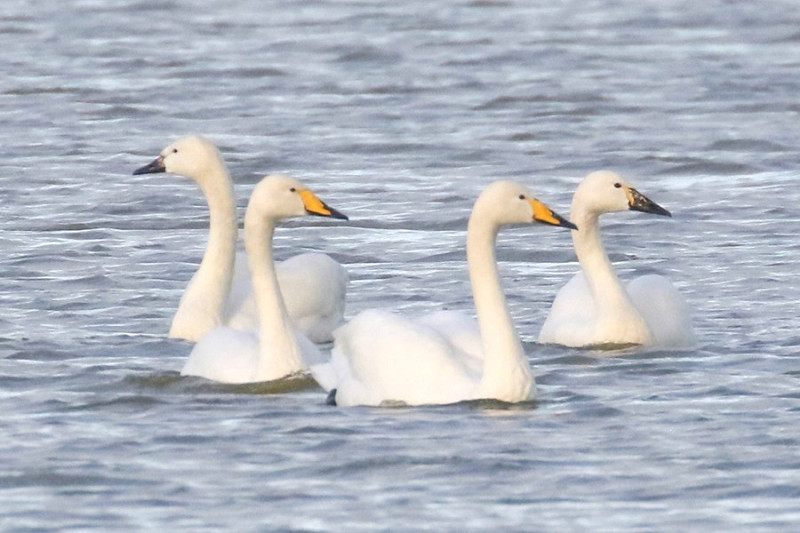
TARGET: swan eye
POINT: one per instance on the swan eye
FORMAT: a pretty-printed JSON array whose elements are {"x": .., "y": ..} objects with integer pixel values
[
  {"x": 617, "y": 185},
  {"x": 521, "y": 196},
  {"x": 292, "y": 190},
  {"x": 174, "y": 150}
]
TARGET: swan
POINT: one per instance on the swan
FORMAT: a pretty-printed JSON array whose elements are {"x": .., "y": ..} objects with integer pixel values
[
  {"x": 277, "y": 349},
  {"x": 380, "y": 357},
  {"x": 313, "y": 284},
  {"x": 594, "y": 308}
]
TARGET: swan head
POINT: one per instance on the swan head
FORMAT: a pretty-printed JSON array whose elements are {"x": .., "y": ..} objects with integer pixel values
[
  {"x": 607, "y": 192},
  {"x": 191, "y": 156},
  {"x": 277, "y": 197},
  {"x": 508, "y": 202}
]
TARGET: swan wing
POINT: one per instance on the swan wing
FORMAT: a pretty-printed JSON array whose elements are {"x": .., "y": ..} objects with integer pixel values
[
  {"x": 462, "y": 332},
  {"x": 571, "y": 316},
  {"x": 313, "y": 287},
  {"x": 225, "y": 355},
  {"x": 664, "y": 309},
  {"x": 380, "y": 356}
]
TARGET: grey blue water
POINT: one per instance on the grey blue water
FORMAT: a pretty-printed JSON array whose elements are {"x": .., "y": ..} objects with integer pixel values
[{"x": 398, "y": 114}]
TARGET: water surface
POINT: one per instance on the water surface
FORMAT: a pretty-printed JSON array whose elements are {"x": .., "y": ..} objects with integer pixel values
[{"x": 398, "y": 115}]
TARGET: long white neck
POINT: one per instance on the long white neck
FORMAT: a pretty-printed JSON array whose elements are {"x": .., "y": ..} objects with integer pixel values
[
  {"x": 615, "y": 310},
  {"x": 592, "y": 256},
  {"x": 203, "y": 304},
  {"x": 506, "y": 371},
  {"x": 280, "y": 353}
]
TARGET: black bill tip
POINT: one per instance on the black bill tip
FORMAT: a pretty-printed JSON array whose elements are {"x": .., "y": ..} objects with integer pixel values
[
  {"x": 565, "y": 223},
  {"x": 331, "y": 398},
  {"x": 639, "y": 202},
  {"x": 328, "y": 212},
  {"x": 157, "y": 165}
]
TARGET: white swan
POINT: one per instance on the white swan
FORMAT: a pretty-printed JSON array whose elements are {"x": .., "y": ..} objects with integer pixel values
[
  {"x": 277, "y": 350},
  {"x": 444, "y": 357},
  {"x": 594, "y": 308},
  {"x": 313, "y": 284}
]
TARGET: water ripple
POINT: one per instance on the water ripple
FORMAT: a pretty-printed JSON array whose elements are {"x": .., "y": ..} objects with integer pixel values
[{"x": 399, "y": 114}]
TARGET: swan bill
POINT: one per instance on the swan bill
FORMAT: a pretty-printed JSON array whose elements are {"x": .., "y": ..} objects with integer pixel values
[
  {"x": 157, "y": 165},
  {"x": 639, "y": 202},
  {"x": 315, "y": 206},
  {"x": 542, "y": 213},
  {"x": 331, "y": 398}
]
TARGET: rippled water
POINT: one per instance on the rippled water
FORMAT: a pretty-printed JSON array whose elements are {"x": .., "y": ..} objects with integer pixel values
[{"x": 398, "y": 114}]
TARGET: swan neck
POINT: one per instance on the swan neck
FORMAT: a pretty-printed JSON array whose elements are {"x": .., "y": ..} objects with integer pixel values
[
  {"x": 279, "y": 351},
  {"x": 600, "y": 274},
  {"x": 506, "y": 370},
  {"x": 223, "y": 226},
  {"x": 212, "y": 282}
]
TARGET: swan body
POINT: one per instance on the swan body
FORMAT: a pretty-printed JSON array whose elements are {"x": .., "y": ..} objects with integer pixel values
[
  {"x": 220, "y": 292},
  {"x": 444, "y": 357},
  {"x": 277, "y": 349},
  {"x": 595, "y": 308}
]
